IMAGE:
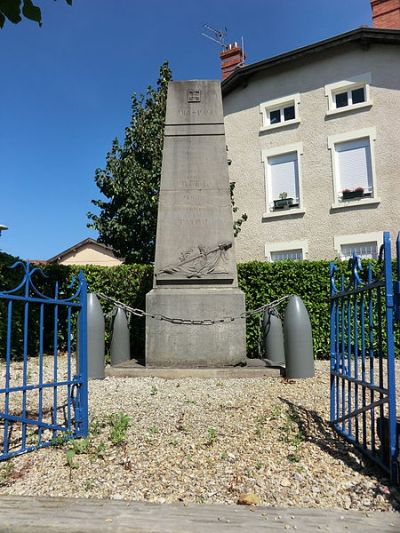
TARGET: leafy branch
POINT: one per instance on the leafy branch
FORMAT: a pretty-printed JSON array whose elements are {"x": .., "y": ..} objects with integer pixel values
[{"x": 14, "y": 10}]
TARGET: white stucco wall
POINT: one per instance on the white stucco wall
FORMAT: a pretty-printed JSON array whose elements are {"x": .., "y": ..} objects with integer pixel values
[
  {"x": 90, "y": 254},
  {"x": 319, "y": 225}
]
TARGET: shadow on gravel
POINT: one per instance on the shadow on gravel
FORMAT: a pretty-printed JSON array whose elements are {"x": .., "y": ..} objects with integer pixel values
[{"x": 315, "y": 429}]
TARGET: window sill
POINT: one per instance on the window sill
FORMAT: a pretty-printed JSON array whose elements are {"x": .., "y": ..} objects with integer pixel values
[
  {"x": 348, "y": 108},
  {"x": 284, "y": 213},
  {"x": 356, "y": 203},
  {"x": 280, "y": 125}
]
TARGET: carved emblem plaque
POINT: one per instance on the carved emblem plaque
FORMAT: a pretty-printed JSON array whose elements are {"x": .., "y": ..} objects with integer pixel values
[{"x": 194, "y": 95}]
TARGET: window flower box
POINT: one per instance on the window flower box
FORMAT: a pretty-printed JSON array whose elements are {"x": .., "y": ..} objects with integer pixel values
[
  {"x": 283, "y": 203},
  {"x": 349, "y": 194}
]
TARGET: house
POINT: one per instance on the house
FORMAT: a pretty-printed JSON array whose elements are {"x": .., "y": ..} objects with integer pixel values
[
  {"x": 87, "y": 252},
  {"x": 313, "y": 136}
]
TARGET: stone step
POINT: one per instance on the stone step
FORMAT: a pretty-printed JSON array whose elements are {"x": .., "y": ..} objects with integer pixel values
[{"x": 132, "y": 369}]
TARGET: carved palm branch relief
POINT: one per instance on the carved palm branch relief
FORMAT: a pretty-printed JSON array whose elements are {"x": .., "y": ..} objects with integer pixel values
[{"x": 200, "y": 261}]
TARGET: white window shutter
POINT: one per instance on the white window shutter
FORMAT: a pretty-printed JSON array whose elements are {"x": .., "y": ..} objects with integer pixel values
[
  {"x": 284, "y": 176},
  {"x": 295, "y": 255},
  {"x": 366, "y": 250},
  {"x": 354, "y": 164}
]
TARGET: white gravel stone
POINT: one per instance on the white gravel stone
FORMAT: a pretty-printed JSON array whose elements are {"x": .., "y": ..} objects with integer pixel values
[{"x": 209, "y": 440}]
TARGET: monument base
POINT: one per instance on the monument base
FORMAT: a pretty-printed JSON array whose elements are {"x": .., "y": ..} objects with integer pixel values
[{"x": 191, "y": 346}]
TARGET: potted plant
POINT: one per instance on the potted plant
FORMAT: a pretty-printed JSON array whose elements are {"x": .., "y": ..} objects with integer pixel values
[
  {"x": 284, "y": 202},
  {"x": 348, "y": 194}
]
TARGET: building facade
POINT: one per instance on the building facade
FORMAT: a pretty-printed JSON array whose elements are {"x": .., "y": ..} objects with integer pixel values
[
  {"x": 313, "y": 139},
  {"x": 87, "y": 252}
]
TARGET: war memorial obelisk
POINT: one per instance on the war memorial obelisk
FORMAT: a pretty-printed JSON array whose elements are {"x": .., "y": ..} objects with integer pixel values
[{"x": 195, "y": 275}]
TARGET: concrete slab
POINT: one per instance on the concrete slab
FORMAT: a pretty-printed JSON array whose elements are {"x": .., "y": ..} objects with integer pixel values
[
  {"x": 132, "y": 369},
  {"x": 33, "y": 514}
]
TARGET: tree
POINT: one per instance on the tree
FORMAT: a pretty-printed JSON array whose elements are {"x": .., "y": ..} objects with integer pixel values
[
  {"x": 131, "y": 180},
  {"x": 14, "y": 10},
  {"x": 237, "y": 224}
]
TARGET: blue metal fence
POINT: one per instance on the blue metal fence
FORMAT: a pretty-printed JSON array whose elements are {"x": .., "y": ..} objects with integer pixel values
[
  {"x": 44, "y": 396},
  {"x": 362, "y": 351}
]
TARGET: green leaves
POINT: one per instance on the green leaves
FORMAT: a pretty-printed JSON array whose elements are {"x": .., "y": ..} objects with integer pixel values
[
  {"x": 237, "y": 224},
  {"x": 261, "y": 282},
  {"x": 13, "y": 9},
  {"x": 130, "y": 182},
  {"x": 127, "y": 219},
  {"x": 70, "y": 456},
  {"x": 32, "y": 12},
  {"x": 265, "y": 282},
  {"x": 119, "y": 423},
  {"x": 10, "y": 9}
]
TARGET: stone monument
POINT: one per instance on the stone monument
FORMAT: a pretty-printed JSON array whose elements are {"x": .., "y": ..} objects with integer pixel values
[{"x": 195, "y": 275}]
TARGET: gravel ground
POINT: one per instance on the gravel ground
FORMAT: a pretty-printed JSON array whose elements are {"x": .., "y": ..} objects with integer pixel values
[{"x": 208, "y": 441}]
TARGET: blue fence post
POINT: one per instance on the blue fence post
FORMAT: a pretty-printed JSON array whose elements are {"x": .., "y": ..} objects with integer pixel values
[
  {"x": 390, "y": 354},
  {"x": 82, "y": 362},
  {"x": 397, "y": 283},
  {"x": 333, "y": 333}
]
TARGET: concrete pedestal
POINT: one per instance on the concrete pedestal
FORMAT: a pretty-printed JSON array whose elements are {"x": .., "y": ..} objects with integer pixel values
[{"x": 189, "y": 346}]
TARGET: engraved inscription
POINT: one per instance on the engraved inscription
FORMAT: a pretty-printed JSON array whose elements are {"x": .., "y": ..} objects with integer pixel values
[
  {"x": 193, "y": 95},
  {"x": 188, "y": 197},
  {"x": 193, "y": 221},
  {"x": 192, "y": 184},
  {"x": 196, "y": 112}
]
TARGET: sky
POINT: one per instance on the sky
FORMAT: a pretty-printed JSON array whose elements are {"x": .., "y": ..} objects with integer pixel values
[{"x": 66, "y": 86}]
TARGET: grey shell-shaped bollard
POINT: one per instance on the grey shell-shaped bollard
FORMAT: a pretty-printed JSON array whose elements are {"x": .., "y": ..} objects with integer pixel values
[
  {"x": 120, "y": 342},
  {"x": 298, "y": 340},
  {"x": 273, "y": 339},
  {"x": 95, "y": 337}
]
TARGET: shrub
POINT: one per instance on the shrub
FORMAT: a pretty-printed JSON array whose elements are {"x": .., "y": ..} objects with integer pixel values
[{"x": 262, "y": 282}]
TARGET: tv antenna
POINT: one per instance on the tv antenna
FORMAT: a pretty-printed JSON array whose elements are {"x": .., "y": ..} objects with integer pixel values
[{"x": 218, "y": 36}]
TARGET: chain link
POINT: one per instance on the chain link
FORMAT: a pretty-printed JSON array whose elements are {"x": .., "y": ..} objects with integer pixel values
[{"x": 271, "y": 307}]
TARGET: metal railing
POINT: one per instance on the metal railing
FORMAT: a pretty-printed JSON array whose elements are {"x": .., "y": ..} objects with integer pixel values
[
  {"x": 362, "y": 352},
  {"x": 44, "y": 397}
]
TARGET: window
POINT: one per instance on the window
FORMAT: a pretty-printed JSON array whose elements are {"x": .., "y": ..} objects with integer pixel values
[
  {"x": 283, "y": 251},
  {"x": 294, "y": 255},
  {"x": 353, "y": 167},
  {"x": 282, "y": 172},
  {"x": 355, "y": 96},
  {"x": 281, "y": 115},
  {"x": 284, "y": 178},
  {"x": 366, "y": 250},
  {"x": 280, "y": 112},
  {"x": 349, "y": 94},
  {"x": 366, "y": 245}
]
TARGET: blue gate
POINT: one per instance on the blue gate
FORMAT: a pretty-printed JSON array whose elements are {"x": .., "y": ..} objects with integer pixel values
[
  {"x": 362, "y": 351},
  {"x": 43, "y": 349}
]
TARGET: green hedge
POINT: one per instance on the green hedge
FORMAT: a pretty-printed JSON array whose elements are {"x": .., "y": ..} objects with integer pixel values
[
  {"x": 262, "y": 282},
  {"x": 127, "y": 283}
]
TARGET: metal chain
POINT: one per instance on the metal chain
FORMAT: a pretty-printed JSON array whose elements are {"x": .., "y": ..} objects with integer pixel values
[{"x": 272, "y": 307}]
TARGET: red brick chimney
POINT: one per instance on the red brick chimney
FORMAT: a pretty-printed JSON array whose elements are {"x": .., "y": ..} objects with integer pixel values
[
  {"x": 386, "y": 14},
  {"x": 231, "y": 58}
]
